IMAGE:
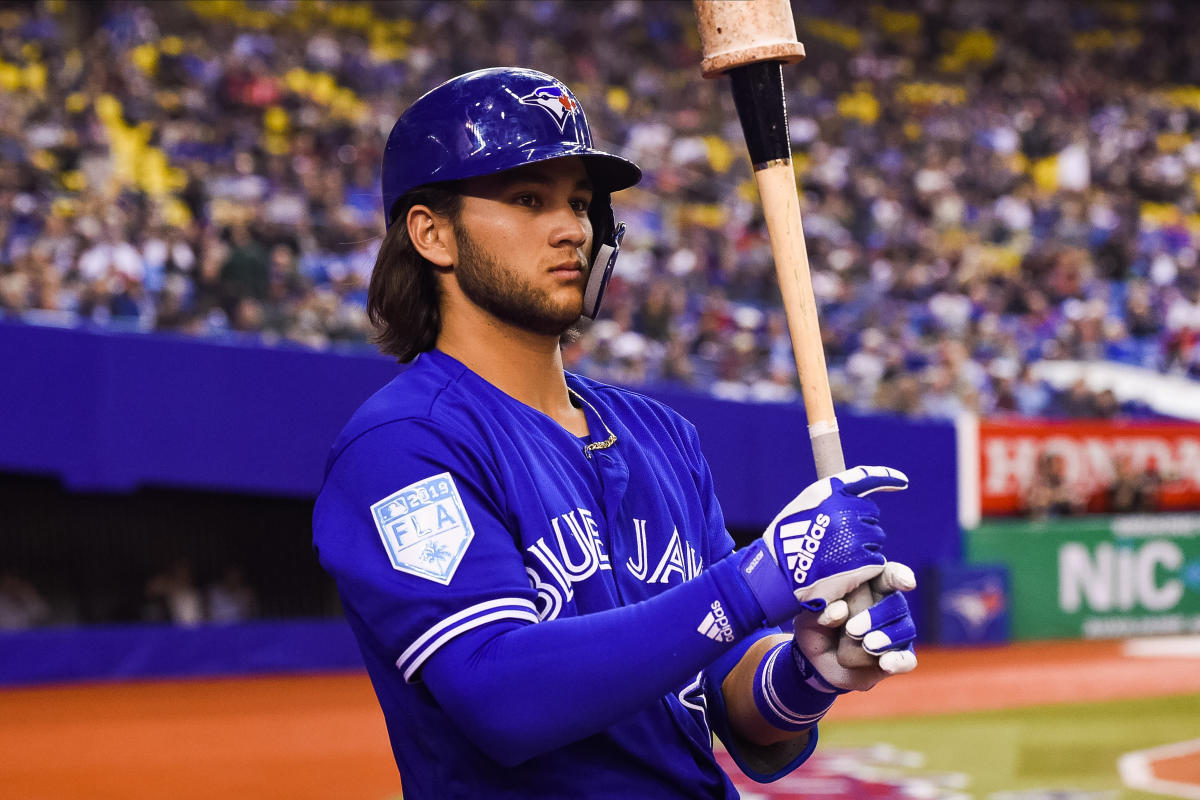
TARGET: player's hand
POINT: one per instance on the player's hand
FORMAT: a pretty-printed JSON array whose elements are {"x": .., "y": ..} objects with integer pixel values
[
  {"x": 886, "y": 631},
  {"x": 824, "y": 543}
]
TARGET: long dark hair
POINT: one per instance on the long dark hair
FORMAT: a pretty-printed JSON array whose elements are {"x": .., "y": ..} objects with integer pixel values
[{"x": 403, "y": 301}]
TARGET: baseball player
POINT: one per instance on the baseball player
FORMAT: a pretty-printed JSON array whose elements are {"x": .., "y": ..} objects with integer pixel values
[{"x": 535, "y": 564}]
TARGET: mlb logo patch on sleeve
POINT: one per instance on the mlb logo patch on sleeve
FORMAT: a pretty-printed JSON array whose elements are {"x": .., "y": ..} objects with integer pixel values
[{"x": 425, "y": 528}]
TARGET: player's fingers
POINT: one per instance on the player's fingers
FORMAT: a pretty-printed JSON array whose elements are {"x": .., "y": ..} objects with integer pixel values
[
  {"x": 862, "y": 481},
  {"x": 834, "y": 614},
  {"x": 892, "y": 636},
  {"x": 890, "y": 609},
  {"x": 898, "y": 662},
  {"x": 896, "y": 577},
  {"x": 887, "y": 625}
]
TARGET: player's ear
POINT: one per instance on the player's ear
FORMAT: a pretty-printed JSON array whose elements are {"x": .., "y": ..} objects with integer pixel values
[{"x": 432, "y": 235}]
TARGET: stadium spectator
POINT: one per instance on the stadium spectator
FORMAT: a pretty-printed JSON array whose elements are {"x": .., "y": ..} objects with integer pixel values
[
  {"x": 21, "y": 604},
  {"x": 231, "y": 598},
  {"x": 1049, "y": 493},
  {"x": 172, "y": 596},
  {"x": 1133, "y": 491}
]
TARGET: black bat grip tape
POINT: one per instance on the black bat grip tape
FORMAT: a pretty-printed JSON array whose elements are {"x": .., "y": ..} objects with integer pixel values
[{"x": 762, "y": 109}]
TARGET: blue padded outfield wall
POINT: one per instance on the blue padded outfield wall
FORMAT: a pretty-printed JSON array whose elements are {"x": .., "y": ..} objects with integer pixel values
[
  {"x": 106, "y": 411},
  {"x": 112, "y": 412},
  {"x": 141, "y": 651}
]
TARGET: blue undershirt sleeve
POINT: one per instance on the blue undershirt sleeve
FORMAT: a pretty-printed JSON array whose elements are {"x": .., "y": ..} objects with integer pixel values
[
  {"x": 520, "y": 690},
  {"x": 762, "y": 764}
]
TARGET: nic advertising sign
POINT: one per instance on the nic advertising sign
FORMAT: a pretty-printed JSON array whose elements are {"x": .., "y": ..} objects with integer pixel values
[{"x": 1097, "y": 576}]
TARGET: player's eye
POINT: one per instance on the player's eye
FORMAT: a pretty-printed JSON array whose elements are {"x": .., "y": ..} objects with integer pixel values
[
  {"x": 527, "y": 199},
  {"x": 581, "y": 204}
]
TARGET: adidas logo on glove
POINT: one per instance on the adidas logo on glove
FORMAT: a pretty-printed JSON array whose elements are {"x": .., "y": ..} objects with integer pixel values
[
  {"x": 800, "y": 541},
  {"x": 803, "y": 572},
  {"x": 715, "y": 624}
]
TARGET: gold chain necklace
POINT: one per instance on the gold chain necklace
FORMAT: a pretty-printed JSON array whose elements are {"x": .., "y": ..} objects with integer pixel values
[{"x": 612, "y": 437}]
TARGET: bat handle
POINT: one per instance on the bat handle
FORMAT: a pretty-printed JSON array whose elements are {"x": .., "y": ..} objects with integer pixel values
[
  {"x": 826, "y": 447},
  {"x": 827, "y": 452},
  {"x": 758, "y": 94}
]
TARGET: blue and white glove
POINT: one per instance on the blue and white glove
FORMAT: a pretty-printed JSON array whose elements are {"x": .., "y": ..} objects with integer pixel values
[
  {"x": 886, "y": 630},
  {"x": 798, "y": 680},
  {"x": 824, "y": 543},
  {"x": 884, "y": 627}
]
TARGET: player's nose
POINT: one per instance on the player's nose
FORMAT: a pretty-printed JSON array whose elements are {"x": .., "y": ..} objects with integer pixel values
[{"x": 569, "y": 228}]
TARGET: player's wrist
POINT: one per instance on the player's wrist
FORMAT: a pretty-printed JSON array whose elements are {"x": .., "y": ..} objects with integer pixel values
[
  {"x": 742, "y": 605},
  {"x": 788, "y": 692},
  {"x": 807, "y": 671},
  {"x": 771, "y": 589}
]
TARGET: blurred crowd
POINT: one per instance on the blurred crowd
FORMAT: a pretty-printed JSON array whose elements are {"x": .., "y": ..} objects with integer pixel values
[
  {"x": 172, "y": 595},
  {"x": 1131, "y": 491},
  {"x": 985, "y": 185}
]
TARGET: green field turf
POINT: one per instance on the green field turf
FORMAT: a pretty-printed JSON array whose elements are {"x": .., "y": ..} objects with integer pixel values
[{"x": 1060, "y": 748}]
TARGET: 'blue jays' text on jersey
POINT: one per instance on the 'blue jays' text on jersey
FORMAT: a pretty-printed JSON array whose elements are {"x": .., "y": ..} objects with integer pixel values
[{"x": 448, "y": 505}]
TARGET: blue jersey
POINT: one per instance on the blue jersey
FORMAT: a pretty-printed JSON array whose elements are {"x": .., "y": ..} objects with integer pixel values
[{"x": 449, "y": 506}]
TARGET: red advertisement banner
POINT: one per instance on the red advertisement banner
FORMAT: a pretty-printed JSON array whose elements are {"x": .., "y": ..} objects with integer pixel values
[{"x": 1088, "y": 466}]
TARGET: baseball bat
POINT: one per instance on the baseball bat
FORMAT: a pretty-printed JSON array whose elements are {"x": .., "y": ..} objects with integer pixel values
[{"x": 750, "y": 40}]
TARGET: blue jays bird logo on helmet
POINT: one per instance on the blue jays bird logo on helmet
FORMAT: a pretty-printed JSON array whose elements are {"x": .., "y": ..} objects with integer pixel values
[{"x": 555, "y": 100}]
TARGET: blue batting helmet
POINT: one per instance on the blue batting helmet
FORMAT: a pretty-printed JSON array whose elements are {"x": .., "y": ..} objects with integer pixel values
[{"x": 492, "y": 120}]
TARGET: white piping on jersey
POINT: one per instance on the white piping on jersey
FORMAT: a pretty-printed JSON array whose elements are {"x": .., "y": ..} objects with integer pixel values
[
  {"x": 612, "y": 437},
  {"x": 453, "y": 632},
  {"x": 454, "y": 625}
]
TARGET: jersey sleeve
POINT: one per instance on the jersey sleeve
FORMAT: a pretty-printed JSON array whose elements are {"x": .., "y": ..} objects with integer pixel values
[
  {"x": 762, "y": 764},
  {"x": 411, "y": 526}
]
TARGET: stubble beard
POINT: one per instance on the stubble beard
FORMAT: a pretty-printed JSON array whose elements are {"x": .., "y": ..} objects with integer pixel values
[{"x": 509, "y": 297}]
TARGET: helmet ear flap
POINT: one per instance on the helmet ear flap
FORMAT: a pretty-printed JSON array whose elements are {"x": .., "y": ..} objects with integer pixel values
[
  {"x": 604, "y": 223},
  {"x": 603, "y": 262}
]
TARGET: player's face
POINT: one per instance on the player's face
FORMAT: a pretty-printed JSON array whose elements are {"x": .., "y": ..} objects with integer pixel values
[{"x": 523, "y": 239}]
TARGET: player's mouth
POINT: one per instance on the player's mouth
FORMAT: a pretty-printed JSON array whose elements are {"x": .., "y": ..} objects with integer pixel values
[{"x": 568, "y": 270}]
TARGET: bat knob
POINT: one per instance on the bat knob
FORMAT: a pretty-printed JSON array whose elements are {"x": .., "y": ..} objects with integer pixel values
[{"x": 734, "y": 33}]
